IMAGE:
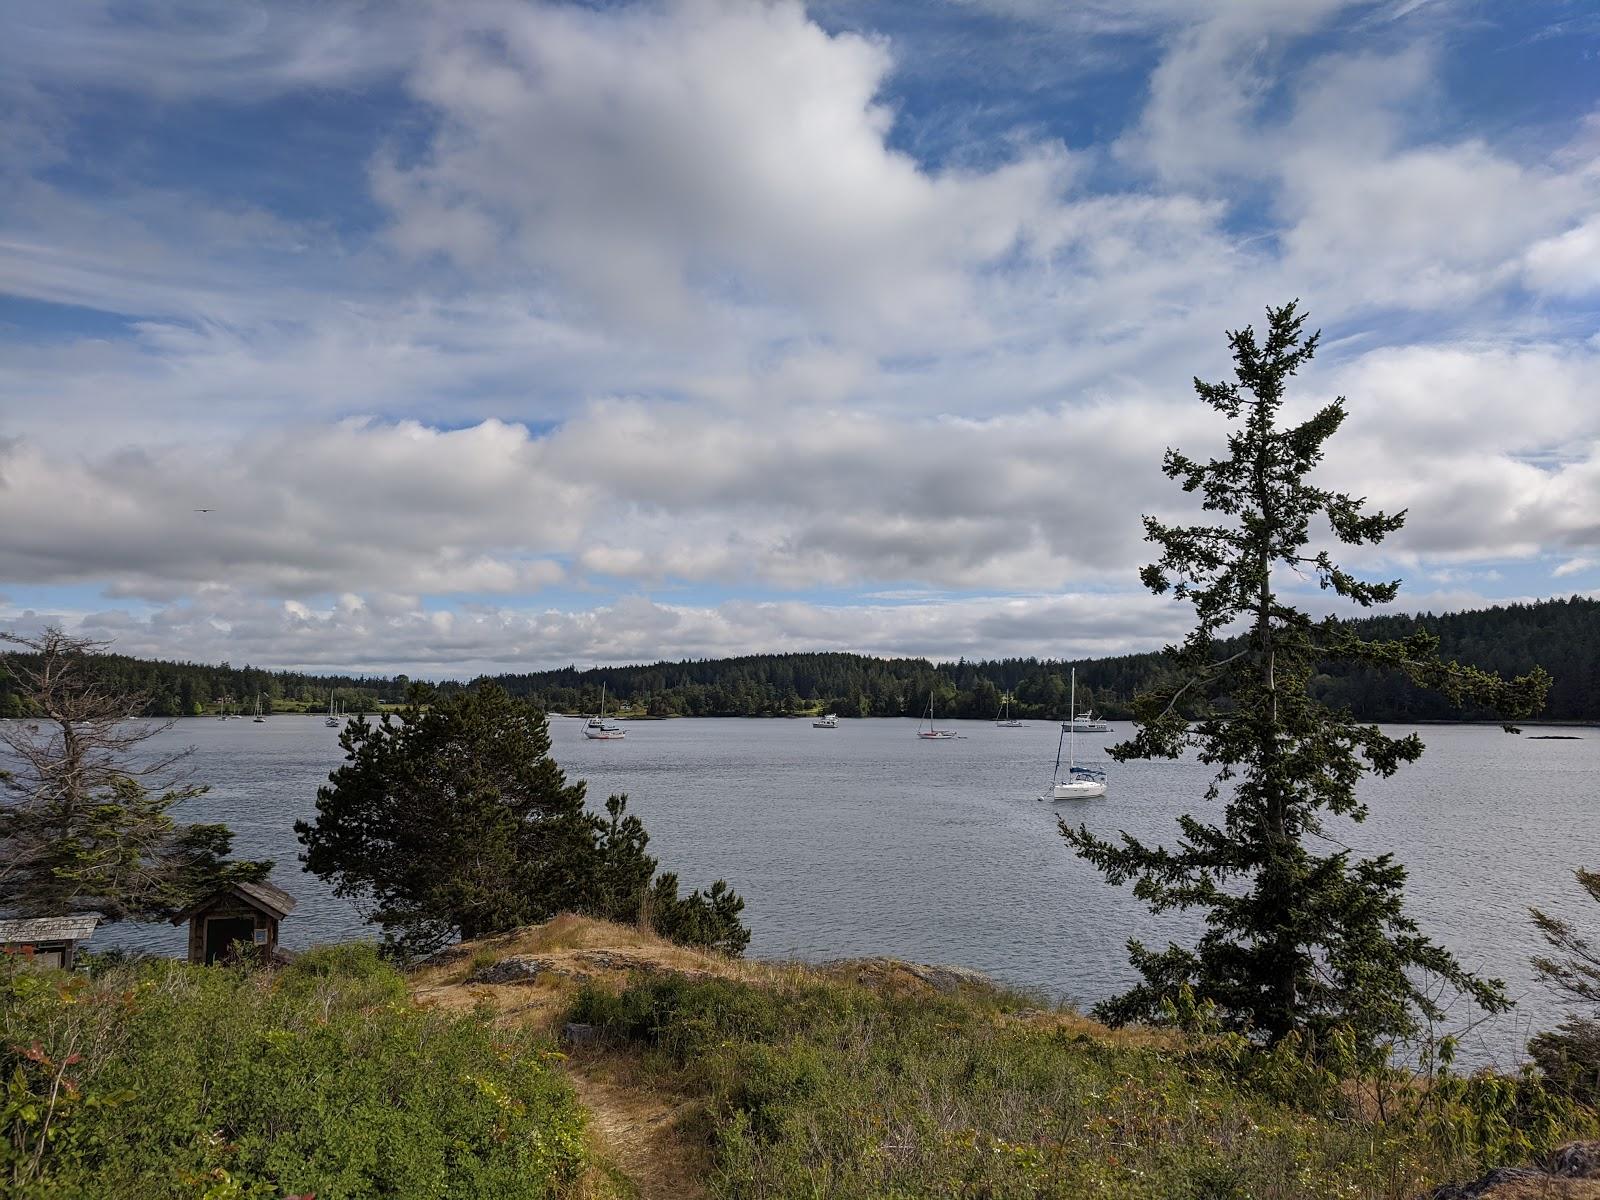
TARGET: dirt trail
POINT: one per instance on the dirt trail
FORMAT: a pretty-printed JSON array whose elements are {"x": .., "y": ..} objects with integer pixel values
[{"x": 641, "y": 1133}]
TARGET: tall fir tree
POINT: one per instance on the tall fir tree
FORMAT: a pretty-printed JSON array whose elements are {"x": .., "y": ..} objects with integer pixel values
[{"x": 1295, "y": 942}]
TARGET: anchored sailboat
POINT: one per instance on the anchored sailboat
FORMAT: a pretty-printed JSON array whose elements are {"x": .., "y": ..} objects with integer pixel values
[
  {"x": 599, "y": 729},
  {"x": 1003, "y": 719},
  {"x": 932, "y": 734},
  {"x": 332, "y": 722},
  {"x": 1079, "y": 783}
]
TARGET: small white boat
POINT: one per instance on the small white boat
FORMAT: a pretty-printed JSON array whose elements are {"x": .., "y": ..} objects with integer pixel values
[
  {"x": 932, "y": 734},
  {"x": 259, "y": 719},
  {"x": 1079, "y": 783},
  {"x": 332, "y": 722},
  {"x": 830, "y": 721},
  {"x": 1088, "y": 723},
  {"x": 598, "y": 728},
  {"x": 1003, "y": 719}
]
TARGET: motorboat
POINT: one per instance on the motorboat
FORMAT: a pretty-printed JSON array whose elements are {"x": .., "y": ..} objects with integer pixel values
[
  {"x": 830, "y": 721},
  {"x": 1088, "y": 723}
]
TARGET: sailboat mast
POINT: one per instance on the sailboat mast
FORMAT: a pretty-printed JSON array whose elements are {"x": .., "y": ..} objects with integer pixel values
[{"x": 1072, "y": 722}]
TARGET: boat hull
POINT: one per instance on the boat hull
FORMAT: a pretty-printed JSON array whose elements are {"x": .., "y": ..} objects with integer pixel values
[
  {"x": 604, "y": 735},
  {"x": 936, "y": 735},
  {"x": 1077, "y": 789}
]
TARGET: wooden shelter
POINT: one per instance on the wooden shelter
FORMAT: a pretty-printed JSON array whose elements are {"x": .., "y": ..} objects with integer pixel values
[
  {"x": 243, "y": 912},
  {"x": 47, "y": 941}
]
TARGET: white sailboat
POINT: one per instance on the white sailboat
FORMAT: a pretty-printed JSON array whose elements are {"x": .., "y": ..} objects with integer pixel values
[
  {"x": 599, "y": 729},
  {"x": 931, "y": 733},
  {"x": 1003, "y": 719},
  {"x": 259, "y": 719},
  {"x": 332, "y": 721},
  {"x": 1079, "y": 783}
]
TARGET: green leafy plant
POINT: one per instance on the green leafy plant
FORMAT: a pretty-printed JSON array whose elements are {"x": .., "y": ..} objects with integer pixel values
[{"x": 171, "y": 1080}]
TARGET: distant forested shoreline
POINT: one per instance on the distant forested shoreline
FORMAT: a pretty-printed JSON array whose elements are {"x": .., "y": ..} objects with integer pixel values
[{"x": 1561, "y": 635}]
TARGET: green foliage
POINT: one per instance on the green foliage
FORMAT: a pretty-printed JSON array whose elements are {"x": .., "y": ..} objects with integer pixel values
[
  {"x": 1560, "y": 634},
  {"x": 830, "y": 1089},
  {"x": 170, "y": 1080},
  {"x": 1570, "y": 1054},
  {"x": 709, "y": 920},
  {"x": 451, "y": 819},
  {"x": 1296, "y": 943}
]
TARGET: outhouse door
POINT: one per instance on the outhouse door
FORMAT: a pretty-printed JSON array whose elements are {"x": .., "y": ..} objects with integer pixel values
[{"x": 222, "y": 932}]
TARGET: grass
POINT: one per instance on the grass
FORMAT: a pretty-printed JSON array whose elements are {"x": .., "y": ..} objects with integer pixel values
[
  {"x": 811, "y": 1087},
  {"x": 169, "y": 1080}
]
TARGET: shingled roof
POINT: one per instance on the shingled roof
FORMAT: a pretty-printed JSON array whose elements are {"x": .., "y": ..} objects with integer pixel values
[
  {"x": 33, "y": 930},
  {"x": 260, "y": 895}
]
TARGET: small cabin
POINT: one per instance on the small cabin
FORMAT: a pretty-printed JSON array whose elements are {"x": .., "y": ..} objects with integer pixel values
[
  {"x": 241, "y": 912},
  {"x": 47, "y": 941}
]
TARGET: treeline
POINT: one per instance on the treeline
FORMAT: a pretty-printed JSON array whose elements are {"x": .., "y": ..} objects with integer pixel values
[
  {"x": 185, "y": 689},
  {"x": 1563, "y": 636}
]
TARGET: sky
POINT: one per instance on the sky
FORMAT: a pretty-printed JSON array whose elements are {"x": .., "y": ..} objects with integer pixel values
[{"x": 512, "y": 335}]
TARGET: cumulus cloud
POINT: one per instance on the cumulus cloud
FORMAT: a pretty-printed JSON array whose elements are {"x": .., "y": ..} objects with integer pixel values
[
  {"x": 660, "y": 299},
  {"x": 398, "y": 633}
]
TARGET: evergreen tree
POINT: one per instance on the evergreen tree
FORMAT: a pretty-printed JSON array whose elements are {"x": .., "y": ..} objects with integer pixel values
[
  {"x": 451, "y": 819},
  {"x": 1296, "y": 943},
  {"x": 85, "y": 818}
]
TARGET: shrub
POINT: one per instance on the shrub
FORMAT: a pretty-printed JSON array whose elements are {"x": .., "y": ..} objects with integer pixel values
[
  {"x": 171, "y": 1080},
  {"x": 818, "y": 1088}
]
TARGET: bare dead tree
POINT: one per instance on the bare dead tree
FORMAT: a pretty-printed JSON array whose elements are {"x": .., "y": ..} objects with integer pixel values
[
  {"x": 85, "y": 820},
  {"x": 1569, "y": 1055}
]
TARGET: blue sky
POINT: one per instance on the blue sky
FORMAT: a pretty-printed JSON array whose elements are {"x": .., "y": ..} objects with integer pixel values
[{"x": 517, "y": 334}]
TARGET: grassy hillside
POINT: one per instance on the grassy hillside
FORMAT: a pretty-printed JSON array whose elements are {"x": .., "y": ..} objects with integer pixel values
[
  {"x": 694, "y": 1076},
  {"x": 707, "y": 1077}
]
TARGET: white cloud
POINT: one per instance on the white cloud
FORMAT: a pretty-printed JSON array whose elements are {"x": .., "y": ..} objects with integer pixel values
[
  {"x": 353, "y": 634},
  {"x": 663, "y": 297}
]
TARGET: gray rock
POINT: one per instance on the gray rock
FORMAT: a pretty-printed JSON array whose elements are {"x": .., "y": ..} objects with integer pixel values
[
  {"x": 1576, "y": 1160},
  {"x": 1479, "y": 1187},
  {"x": 516, "y": 969},
  {"x": 578, "y": 1034}
]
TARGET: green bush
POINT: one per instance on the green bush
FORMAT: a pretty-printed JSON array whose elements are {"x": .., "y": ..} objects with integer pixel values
[
  {"x": 170, "y": 1080},
  {"x": 830, "y": 1089}
]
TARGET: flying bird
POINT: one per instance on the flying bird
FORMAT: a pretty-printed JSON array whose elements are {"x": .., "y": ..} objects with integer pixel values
[{"x": 202, "y": 510}]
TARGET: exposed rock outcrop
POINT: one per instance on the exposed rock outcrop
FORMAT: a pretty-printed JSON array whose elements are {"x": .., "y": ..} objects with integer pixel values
[{"x": 1572, "y": 1172}]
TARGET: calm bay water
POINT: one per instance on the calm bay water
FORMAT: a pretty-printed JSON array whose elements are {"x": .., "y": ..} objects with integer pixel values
[{"x": 865, "y": 840}]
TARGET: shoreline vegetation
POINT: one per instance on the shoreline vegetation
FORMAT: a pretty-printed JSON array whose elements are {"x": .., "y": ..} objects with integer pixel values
[
  {"x": 1561, "y": 634},
  {"x": 587, "y": 1060}
]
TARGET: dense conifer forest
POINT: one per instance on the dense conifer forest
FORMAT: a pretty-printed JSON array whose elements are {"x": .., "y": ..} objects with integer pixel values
[{"x": 1562, "y": 635}]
